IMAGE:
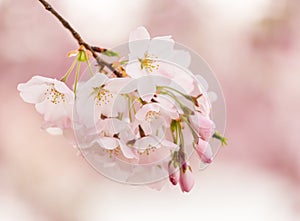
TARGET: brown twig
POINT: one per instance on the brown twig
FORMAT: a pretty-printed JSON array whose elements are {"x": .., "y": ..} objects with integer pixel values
[
  {"x": 98, "y": 49},
  {"x": 80, "y": 41}
]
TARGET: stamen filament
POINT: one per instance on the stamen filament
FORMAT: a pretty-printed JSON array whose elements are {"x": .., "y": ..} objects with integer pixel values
[
  {"x": 76, "y": 76},
  {"x": 66, "y": 76}
]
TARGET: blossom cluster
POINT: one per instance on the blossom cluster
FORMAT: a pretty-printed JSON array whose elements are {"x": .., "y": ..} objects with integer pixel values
[{"x": 154, "y": 114}]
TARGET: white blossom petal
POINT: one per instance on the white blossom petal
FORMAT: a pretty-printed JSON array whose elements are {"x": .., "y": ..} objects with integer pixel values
[
  {"x": 108, "y": 143},
  {"x": 140, "y": 33},
  {"x": 146, "y": 88}
]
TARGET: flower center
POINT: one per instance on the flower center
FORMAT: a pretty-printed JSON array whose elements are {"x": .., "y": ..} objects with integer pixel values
[
  {"x": 103, "y": 96},
  {"x": 149, "y": 62},
  {"x": 54, "y": 96},
  {"x": 115, "y": 152},
  {"x": 147, "y": 151},
  {"x": 151, "y": 115}
]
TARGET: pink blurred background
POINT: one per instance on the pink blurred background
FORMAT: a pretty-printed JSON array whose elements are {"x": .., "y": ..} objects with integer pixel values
[{"x": 253, "y": 47}]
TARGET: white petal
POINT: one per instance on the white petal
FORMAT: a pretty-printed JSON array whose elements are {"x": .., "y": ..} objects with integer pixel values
[
  {"x": 96, "y": 81},
  {"x": 118, "y": 84},
  {"x": 63, "y": 88},
  {"x": 54, "y": 130},
  {"x": 38, "y": 80},
  {"x": 160, "y": 80},
  {"x": 108, "y": 143},
  {"x": 145, "y": 143},
  {"x": 146, "y": 87},
  {"x": 141, "y": 113},
  {"x": 161, "y": 47},
  {"x": 180, "y": 57},
  {"x": 32, "y": 94},
  {"x": 202, "y": 82},
  {"x": 170, "y": 144},
  {"x": 127, "y": 151},
  {"x": 212, "y": 96},
  {"x": 140, "y": 33},
  {"x": 208, "y": 152},
  {"x": 52, "y": 112},
  {"x": 138, "y": 48},
  {"x": 134, "y": 70}
]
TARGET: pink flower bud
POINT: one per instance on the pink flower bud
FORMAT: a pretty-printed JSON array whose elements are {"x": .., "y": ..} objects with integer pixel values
[
  {"x": 203, "y": 125},
  {"x": 204, "y": 151},
  {"x": 186, "y": 178},
  {"x": 173, "y": 174}
]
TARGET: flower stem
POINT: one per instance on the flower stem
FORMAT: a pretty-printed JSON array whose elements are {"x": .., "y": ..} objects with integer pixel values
[
  {"x": 76, "y": 76},
  {"x": 66, "y": 76},
  {"x": 218, "y": 136},
  {"x": 185, "y": 109},
  {"x": 89, "y": 67},
  {"x": 177, "y": 91},
  {"x": 195, "y": 134}
]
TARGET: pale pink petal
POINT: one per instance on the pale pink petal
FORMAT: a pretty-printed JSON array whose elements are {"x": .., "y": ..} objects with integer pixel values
[
  {"x": 54, "y": 130},
  {"x": 140, "y": 33},
  {"x": 108, "y": 143},
  {"x": 52, "y": 112},
  {"x": 40, "y": 80},
  {"x": 117, "y": 85},
  {"x": 204, "y": 151},
  {"x": 145, "y": 143},
  {"x": 134, "y": 70},
  {"x": 208, "y": 155},
  {"x": 33, "y": 90},
  {"x": 138, "y": 49},
  {"x": 202, "y": 121},
  {"x": 202, "y": 82},
  {"x": 32, "y": 94},
  {"x": 141, "y": 113},
  {"x": 63, "y": 88},
  {"x": 161, "y": 47},
  {"x": 169, "y": 144},
  {"x": 127, "y": 151},
  {"x": 96, "y": 81},
  {"x": 146, "y": 87},
  {"x": 212, "y": 96},
  {"x": 180, "y": 57}
]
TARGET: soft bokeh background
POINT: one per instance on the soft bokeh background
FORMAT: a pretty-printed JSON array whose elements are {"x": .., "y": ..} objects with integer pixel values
[{"x": 253, "y": 47}]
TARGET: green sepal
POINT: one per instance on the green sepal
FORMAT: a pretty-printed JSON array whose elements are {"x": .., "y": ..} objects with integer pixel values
[
  {"x": 110, "y": 53},
  {"x": 218, "y": 136}
]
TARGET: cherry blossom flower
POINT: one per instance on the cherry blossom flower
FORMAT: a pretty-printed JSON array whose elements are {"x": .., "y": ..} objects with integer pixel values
[
  {"x": 99, "y": 96},
  {"x": 52, "y": 99},
  {"x": 186, "y": 179},
  {"x": 148, "y": 142},
  {"x": 113, "y": 135},
  {"x": 155, "y": 115},
  {"x": 148, "y": 52},
  {"x": 157, "y": 57}
]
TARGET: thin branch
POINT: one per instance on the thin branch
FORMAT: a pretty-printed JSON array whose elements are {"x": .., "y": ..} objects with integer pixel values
[
  {"x": 79, "y": 39},
  {"x": 98, "y": 49}
]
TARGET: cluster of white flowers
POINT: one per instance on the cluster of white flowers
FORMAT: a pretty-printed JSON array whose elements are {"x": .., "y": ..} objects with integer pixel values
[{"x": 157, "y": 105}]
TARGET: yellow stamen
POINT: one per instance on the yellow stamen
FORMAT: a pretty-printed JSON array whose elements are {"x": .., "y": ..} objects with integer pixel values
[
  {"x": 149, "y": 63},
  {"x": 151, "y": 115},
  {"x": 103, "y": 96},
  {"x": 54, "y": 96}
]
